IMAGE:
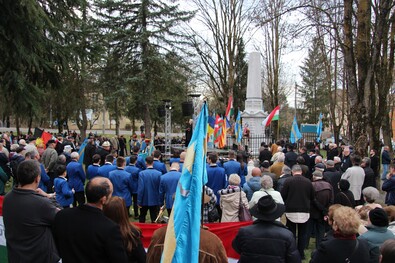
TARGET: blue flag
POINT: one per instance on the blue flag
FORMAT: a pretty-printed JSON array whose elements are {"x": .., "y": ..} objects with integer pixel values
[
  {"x": 81, "y": 151},
  {"x": 238, "y": 128},
  {"x": 319, "y": 128},
  {"x": 183, "y": 230},
  {"x": 295, "y": 133}
]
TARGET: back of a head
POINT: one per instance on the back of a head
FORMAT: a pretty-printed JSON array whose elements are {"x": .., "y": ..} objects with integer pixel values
[
  {"x": 344, "y": 185},
  {"x": 60, "y": 169},
  {"x": 136, "y": 149},
  {"x": 116, "y": 210},
  {"x": 300, "y": 160},
  {"x": 175, "y": 166},
  {"x": 176, "y": 154},
  {"x": 286, "y": 170},
  {"x": 62, "y": 158},
  {"x": 234, "y": 179},
  {"x": 378, "y": 217},
  {"x": 266, "y": 182},
  {"x": 133, "y": 159},
  {"x": 265, "y": 164},
  {"x": 240, "y": 158},
  {"x": 256, "y": 172},
  {"x": 281, "y": 158},
  {"x": 296, "y": 169},
  {"x": 97, "y": 188},
  {"x": 109, "y": 158},
  {"x": 120, "y": 161},
  {"x": 96, "y": 158},
  {"x": 387, "y": 251},
  {"x": 371, "y": 194},
  {"x": 74, "y": 156},
  {"x": 157, "y": 154},
  {"x": 182, "y": 156},
  {"x": 337, "y": 159},
  {"x": 366, "y": 161},
  {"x": 232, "y": 154},
  {"x": 346, "y": 220},
  {"x": 149, "y": 160},
  {"x": 355, "y": 159},
  {"x": 28, "y": 171},
  {"x": 213, "y": 157}
]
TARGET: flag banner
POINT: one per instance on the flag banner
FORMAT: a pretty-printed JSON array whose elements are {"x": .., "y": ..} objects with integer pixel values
[
  {"x": 183, "y": 230},
  {"x": 81, "y": 151},
  {"x": 319, "y": 128},
  {"x": 222, "y": 137},
  {"x": 229, "y": 109},
  {"x": 217, "y": 128},
  {"x": 295, "y": 133},
  {"x": 46, "y": 136},
  {"x": 38, "y": 132},
  {"x": 238, "y": 128},
  {"x": 274, "y": 115},
  {"x": 225, "y": 231}
]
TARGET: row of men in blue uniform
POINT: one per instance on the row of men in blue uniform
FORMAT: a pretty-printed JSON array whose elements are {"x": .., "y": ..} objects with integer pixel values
[{"x": 148, "y": 185}]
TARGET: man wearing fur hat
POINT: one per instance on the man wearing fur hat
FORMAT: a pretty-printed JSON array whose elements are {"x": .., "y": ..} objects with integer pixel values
[{"x": 266, "y": 240}]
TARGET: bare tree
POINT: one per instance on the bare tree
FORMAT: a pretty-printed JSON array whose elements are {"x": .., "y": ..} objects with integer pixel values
[{"x": 226, "y": 22}]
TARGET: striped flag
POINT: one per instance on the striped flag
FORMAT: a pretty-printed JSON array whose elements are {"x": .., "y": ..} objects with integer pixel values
[
  {"x": 229, "y": 109},
  {"x": 238, "y": 128},
  {"x": 295, "y": 133},
  {"x": 183, "y": 230},
  {"x": 217, "y": 128},
  {"x": 222, "y": 137},
  {"x": 273, "y": 116},
  {"x": 319, "y": 128}
]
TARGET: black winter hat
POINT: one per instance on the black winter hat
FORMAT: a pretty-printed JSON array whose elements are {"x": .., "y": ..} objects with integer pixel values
[{"x": 378, "y": 217}]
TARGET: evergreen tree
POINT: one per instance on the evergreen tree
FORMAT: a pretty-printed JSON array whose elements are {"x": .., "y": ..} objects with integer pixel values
[{"x": 314, "y": 90}]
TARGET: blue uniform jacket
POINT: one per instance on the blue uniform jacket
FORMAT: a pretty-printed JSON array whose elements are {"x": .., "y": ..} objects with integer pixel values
[
  {"x": 148, "y": 189},
  {"x": 216, "y": 179},
  {"x": 141, "y": 162},
  {"x": 234, "y": 167},
  {"x": 106, "y": 169},
  {"x": 389, "y": 187},
  {"x": 44, "y": 178},
  {"x": 168, "y": 186},
  {"x": 134, "y": 171},
  {"x": 174, "y": 160},
  {"x": 64, "y": 195},
  {"x": 76, "y": 176},
  {"x": 122, "y": 183},
  {"x": 92, "y": 171},
  {"x": 161, "y": 167}
]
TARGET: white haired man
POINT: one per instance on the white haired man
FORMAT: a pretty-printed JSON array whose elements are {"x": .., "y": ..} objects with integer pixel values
[{"x": 77, "y": 177}]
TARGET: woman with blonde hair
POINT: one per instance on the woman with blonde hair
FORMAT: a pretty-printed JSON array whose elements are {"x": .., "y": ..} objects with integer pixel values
[
  {"x": 116, "y": 210},
  {"x": 230, "y": 200},
  {"x": 344, "y": 246}
]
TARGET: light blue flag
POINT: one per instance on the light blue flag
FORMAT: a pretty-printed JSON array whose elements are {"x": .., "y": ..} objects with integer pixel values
[
  {"x": 81, "y": 151},
  {"x": 183, "y": 230},
  {"x": 319, "y": 128},
  {"x": 295, "y": 133},
  {"x": 238, "y": 128}
]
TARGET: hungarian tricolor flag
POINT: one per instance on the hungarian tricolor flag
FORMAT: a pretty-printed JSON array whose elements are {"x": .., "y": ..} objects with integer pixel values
[{"x": 273, "y": 116}]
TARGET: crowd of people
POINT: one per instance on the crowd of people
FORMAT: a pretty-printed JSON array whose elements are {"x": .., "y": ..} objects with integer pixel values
[{"x": 61, "y": 207}]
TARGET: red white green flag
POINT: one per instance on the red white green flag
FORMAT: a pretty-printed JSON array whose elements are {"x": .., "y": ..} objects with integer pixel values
[{"x": 273, "y": 116}]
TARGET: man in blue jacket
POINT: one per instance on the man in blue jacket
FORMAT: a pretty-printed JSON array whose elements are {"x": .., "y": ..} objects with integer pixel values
[
  {"x": 76, "y": 176},
  {"x": 385, "y": 161},
  {"x": 122, "y": 182},
  {"x": 107, "y": 167},
  {"x": 134, "y": 171},
  {"x": 158, "y": 165},
  {"x": 140, "y": 160},
  {"x": 216, "y": 178},
  {"x": 168, "y": 186},
  {"x": 93, "y": 169},
  {"x": 254, "y": 184},
  {"x": 234, "y": 167},
  {"x": 148, "y": 191}
]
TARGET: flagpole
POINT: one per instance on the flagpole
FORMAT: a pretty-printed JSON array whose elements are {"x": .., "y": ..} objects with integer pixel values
[{"x": 278, "y": 130}]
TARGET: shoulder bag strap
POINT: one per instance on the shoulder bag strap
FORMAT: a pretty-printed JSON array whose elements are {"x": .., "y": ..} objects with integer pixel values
[{"x": 348, "y": 260}]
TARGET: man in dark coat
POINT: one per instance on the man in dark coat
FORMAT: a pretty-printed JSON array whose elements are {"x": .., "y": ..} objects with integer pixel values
[
  {"x": 266, "y": 240},
  {"x": 265, "y": 154},
  {"x": 385, "y": 161},
  {"x": 370, "y": 179},
  {"x": 90, "y": 150},
  {"x": 332, "y": 176},
  {"x": 375, "y": 162},
  {"x": 84, "y": 233},
  {"x": 290, "y": 156},
  {"x": 103, "y": 151}
]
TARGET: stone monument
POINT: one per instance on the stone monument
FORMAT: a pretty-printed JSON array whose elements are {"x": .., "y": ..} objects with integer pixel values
[{"x": 253, "y": 115}]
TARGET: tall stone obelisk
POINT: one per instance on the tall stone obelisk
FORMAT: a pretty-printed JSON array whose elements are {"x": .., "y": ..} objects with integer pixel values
[{"x": 253, "y": 115}]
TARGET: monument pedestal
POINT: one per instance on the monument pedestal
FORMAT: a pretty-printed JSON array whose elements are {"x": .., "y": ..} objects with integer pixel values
[{"x": 253, "y": 115}]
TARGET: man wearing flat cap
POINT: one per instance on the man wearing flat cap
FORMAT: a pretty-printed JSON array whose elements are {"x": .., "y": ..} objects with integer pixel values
[{"x": 266, "y": 240}]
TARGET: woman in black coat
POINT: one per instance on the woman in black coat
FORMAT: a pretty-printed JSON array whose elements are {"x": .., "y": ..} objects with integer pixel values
[{"x": 343, "y": 246}]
